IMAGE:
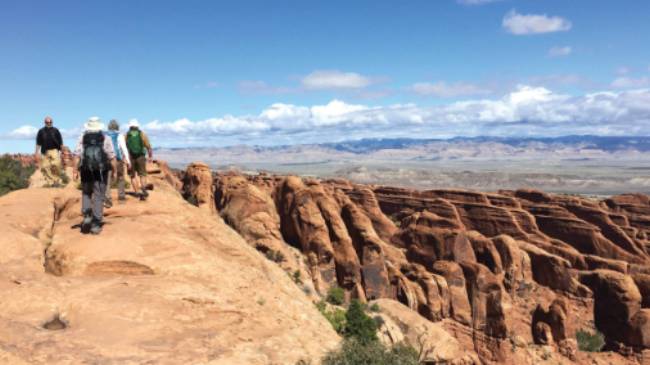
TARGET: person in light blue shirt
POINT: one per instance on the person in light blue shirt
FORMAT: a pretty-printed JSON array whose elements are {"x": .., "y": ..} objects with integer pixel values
[{"x": 122, "y": 161}]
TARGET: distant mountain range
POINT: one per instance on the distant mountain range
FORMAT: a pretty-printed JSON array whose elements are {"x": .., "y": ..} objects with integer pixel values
[
  {"x": 604, "y": 143},
  {"x": 404, "y": 150},
  {"x": 570, "y": 164},
  {"x": 368, "y": 145}
]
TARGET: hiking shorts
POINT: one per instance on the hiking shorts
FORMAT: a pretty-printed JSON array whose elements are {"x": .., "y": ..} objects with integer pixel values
[{"x": 139, "y": 166}]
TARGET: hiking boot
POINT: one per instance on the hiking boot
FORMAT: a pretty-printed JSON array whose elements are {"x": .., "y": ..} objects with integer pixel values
[
  {"x": 86, "y": 224},
  {"x": 145, "y": 193},
  {"x": 96, "y": 229},
  {"x": 108, "y": 204},
  {"x": 142, "y": 197}
]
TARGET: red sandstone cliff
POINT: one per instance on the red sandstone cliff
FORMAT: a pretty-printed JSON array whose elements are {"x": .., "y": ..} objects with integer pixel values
[{"x": 497, "y": 269}]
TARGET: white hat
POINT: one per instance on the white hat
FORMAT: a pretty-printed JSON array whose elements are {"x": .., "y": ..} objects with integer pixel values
[
  {"x": 134, "y": 123},
  {"x": 93, "y": 125}
]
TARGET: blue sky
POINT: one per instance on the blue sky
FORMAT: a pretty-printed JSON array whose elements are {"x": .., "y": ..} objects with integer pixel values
[{"x": 268, "y": 72}]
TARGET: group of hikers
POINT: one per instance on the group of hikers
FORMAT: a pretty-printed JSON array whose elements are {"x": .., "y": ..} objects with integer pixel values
[{"x": 100, "y": 158}]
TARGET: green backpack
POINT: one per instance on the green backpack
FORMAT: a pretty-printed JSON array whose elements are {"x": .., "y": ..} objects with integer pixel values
[{"x": 134, "y": 143}]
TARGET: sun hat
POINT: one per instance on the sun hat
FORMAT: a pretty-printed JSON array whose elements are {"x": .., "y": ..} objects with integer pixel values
[
  {"x": 94, "y": 124},
  {"x": 134, "y": 123}
]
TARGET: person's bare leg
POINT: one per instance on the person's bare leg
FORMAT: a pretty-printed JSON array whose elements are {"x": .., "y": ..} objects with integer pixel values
[{"x": 134, "y": 184}]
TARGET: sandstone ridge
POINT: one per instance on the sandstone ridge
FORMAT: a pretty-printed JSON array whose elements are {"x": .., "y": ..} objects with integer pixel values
[{"x": 165, "y": 283}]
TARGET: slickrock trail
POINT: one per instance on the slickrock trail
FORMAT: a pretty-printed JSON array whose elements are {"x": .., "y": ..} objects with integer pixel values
[
  {"x": 164, "y": 283},
  {"x": 511, "y": 276}
]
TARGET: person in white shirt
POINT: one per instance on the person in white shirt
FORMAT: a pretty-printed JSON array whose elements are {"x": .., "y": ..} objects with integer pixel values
[
  {"x": 122, "y": 161},
  {"x": 94, "y": 156}
]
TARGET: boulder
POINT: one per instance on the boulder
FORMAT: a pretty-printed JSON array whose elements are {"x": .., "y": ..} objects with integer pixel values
[
  {"x": 616, "y": 300},
  {"x": 431, "y": 339},
  {"x": 197, "y": 186}
]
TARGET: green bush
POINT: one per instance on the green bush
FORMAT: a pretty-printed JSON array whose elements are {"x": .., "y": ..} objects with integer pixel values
[
  {"x": 590, "y": 341},
  {"x": 336, "y": 296},
  {"x": 359, "y": 325},
  {"x": 355, "y": 352},
  {"x": 13, "y": 175},
  {"x": 335, "y": 316}
]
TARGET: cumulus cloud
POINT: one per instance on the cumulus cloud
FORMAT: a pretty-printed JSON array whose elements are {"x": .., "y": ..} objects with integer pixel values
[
  {"x": 334, "y": 79},
  {"x": 560, "y": 51},
  {"x": 523, "y": 24},
  {"x": 445, "y": 90},
  {"x": 23, "y": 132},
  {"x": 630, "y": 82},
  {"x": 526, "y": 110}
]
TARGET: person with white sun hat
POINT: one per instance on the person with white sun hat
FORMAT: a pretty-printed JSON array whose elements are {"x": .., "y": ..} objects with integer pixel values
[{"x": 94, "y": 157}]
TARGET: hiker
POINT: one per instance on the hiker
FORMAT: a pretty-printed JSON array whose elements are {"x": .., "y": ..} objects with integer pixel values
[
  {"x": 122, "y": 161},
  {"x": 48, "y": 153},
  {"x": 94, "y": 156},
  {"x": 138, "y": 145}
]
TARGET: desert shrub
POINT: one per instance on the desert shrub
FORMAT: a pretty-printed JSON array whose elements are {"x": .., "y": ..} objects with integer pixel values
[
  {"x": 355, "y": 352},
  {"x": 359, "y": 325},
  {"x": 590, "y": 341},
  {"x": 335, "y": 316},
  {"x": 275, "y": 256},
  {"x": 192, "y": 200},
  {"x": 13, "y": 175},
  {"x": 335, "y": 296},
  {"x": 297, "y": 277},
  {"x": 374, "y": 307}
]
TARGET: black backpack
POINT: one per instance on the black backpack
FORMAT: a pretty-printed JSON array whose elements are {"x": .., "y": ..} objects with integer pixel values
[{"x": 94, "y": 158}]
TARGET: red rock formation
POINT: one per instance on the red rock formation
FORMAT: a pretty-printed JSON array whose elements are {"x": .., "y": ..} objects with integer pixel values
[
  {"x": 473, "y": 258},
  {"x": 197, "y": 186}
]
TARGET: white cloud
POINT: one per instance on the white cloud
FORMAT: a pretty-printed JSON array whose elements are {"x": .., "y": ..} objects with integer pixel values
[
  {"x": 526, "y": 110},
  {"x": 560, "y": 51},
  {"x": 522, "y": 24},
  {"x": 631, "y": 83},
  {"x": 334, "y": 79},
  {"x": 23, "y": 132},
  {"x": 476, "y": 2},
  {"x": 444, "y": 90}
]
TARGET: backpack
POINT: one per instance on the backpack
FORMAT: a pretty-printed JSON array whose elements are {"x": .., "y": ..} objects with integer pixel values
[
  {"x": 94, "y": 158},
  {"x": 134, "y": 143},
  {"x": 116, "y": 146}
]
